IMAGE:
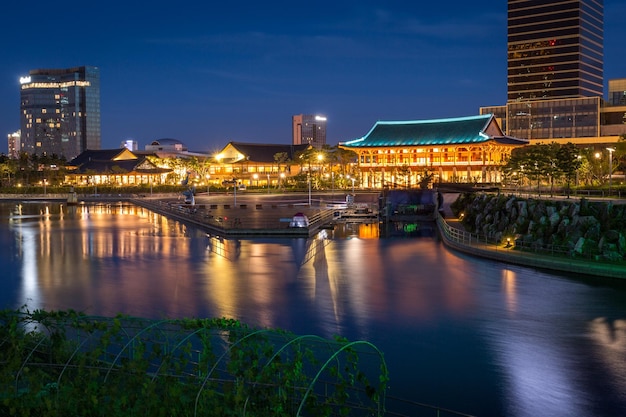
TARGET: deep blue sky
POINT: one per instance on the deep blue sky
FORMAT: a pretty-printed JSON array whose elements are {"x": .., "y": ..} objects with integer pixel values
[{"x": 214, "y": 72}]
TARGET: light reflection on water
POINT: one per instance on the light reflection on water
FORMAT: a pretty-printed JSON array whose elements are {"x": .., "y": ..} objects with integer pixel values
[{"x": 463, "y": 333}]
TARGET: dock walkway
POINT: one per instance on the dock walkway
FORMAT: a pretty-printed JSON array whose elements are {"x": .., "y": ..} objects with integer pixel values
[{"x": 242, "y": 220}]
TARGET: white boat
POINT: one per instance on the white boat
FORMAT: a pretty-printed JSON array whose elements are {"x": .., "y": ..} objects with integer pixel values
[{"x": 299, "y": 220}]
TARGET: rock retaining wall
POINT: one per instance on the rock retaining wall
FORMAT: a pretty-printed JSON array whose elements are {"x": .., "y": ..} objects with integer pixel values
[{"x": 576, "y": 227}]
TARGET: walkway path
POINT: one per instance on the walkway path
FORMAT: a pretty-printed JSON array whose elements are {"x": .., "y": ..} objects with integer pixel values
[{"x": 456, "y": 237}]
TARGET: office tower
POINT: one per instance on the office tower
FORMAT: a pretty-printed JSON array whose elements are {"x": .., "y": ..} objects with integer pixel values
[
  {"x": 555, "y": 70},
  {"x": 60, "y": 111},
  {"x": 555, "y": 49},
  {"x": 309, "y": 129}
]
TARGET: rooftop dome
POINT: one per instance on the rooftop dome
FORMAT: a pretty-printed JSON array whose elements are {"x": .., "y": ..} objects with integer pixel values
[{"x": 166, "y": 141}]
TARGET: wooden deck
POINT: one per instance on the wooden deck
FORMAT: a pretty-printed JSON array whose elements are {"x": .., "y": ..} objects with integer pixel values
[{"x": 243, "y": 220}]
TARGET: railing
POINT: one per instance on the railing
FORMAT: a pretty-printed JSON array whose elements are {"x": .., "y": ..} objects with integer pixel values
[
  {"x": 548, "y": 256},
  {"x": 236, "y": 221}
]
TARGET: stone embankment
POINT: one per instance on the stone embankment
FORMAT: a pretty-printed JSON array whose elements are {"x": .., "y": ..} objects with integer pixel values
[{"x": 595, "y": 230}]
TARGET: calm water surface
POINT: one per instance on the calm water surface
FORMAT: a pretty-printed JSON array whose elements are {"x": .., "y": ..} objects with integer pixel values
[{"x": 481, "y": 337}]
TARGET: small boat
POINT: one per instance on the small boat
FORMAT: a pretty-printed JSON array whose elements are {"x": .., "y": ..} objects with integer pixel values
[{"x": 299, "y": 220}]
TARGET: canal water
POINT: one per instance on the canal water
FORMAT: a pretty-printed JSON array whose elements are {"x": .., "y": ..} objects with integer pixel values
[{"x": 467, "y": 334}]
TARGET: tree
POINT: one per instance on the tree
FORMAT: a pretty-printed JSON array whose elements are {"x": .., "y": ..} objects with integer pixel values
[
  {"x": 403, "y": 172},
  {"x": 620, "y": 154},
  {"x": 425, "y": 179},
  {"x": 568, "y": 162}
]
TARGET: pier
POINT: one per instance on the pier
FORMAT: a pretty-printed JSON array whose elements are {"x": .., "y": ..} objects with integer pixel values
[{"x": 269, "y": 219}]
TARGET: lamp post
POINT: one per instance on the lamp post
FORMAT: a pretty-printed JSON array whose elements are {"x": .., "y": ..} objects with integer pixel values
[
  {"x": 208, "y": 184},
  {"x": 268, "y": 182},
  {"x": 611, "y": 150},
  {"x": 309, "y": 188},
  {"x": 578, "y": 162},
  {"x": 353, "y": 179},
  {"x": 597, "y": 155},
  {"x": 45, "y": 182}
]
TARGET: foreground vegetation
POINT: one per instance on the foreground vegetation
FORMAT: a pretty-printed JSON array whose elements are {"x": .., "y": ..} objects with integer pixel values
[{"x": 62, "y": 363}]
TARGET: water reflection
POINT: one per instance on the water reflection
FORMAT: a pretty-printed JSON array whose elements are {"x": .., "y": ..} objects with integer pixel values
[
  {"x": 465, "y": 333},
  {"x": 609, "y": 337}
]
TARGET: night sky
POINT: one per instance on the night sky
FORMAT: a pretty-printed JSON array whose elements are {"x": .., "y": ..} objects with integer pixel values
[{"x": 212, "y": 72}]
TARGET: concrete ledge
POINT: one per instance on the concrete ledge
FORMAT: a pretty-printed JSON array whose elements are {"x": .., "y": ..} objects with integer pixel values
[{"x": 536, "y": 260}]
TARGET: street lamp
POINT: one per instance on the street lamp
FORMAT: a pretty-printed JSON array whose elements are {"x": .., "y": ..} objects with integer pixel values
[
  {"x": 611, "y": 150},
  {"x": 309, "y": 175},
  {"x": 597, "y": 155},
  {"x": 256, "y": 178},
  {"x": 208, "y": 185},
  {"x": 578, "y": 162},
  {"x": 353, "y": 179},
  {"x": 268, "y": 182}
]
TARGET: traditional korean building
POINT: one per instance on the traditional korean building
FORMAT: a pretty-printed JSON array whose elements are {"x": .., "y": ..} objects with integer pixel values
[
  {"x": 465, "y": 149},
  {"x": 255, "y": 164},
  {"x": 117, "y": 167}
]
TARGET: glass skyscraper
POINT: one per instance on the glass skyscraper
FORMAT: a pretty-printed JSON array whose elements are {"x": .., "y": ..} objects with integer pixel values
[
  {"x": 555, "y": 49},
  {"x": 555, "y": 70},
  {"x": 60, "y": 111}
]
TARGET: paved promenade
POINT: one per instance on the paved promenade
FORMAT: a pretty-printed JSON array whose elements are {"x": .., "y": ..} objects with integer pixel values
[{"x": 454, "y": 236}]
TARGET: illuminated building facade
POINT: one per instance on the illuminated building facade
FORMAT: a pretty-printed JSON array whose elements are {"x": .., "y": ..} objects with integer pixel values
[
  {"x": 556, "y": 74},
  {"x": 60, "y": 111},
  {"x": 555, "y": 49},
  {"x": 400, "y": 153},
  {"x": 14, "y": 144},
  {"x": 255, "y": 164},
  {"x": 308, "y": 129},
  {"x": 116, "y": 167}
]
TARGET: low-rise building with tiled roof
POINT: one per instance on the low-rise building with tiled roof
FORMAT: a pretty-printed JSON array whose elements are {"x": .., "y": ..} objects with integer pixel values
[
  {"x": 256, "y": 164},
  {"x": 464, "y": 149},
  {"x": 114, "y": 167}
]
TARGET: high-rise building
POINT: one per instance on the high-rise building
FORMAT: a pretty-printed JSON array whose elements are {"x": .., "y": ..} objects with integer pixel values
[
  {"x": 60, "y": 111},
  {"x": 555, "y": 49},
  {"x": 555, "y": 73},
  {"x": 14, "y": 142},
  {"x": 309, "y": 129}
]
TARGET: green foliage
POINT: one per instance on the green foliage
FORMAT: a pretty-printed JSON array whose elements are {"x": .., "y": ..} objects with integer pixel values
[
  {"x": 426, "y": 179},
  {"x": 63, "y": 363}
]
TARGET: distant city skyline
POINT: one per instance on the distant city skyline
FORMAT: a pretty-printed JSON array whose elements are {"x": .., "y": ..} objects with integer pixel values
[{"x": 209, "y": 74}]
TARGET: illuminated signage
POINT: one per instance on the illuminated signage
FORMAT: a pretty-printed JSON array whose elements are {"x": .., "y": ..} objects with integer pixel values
[{"x": 25, "y": 80}]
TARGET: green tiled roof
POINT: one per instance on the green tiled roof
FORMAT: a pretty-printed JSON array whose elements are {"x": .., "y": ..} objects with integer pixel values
[{"x": 463, "y": 130}]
